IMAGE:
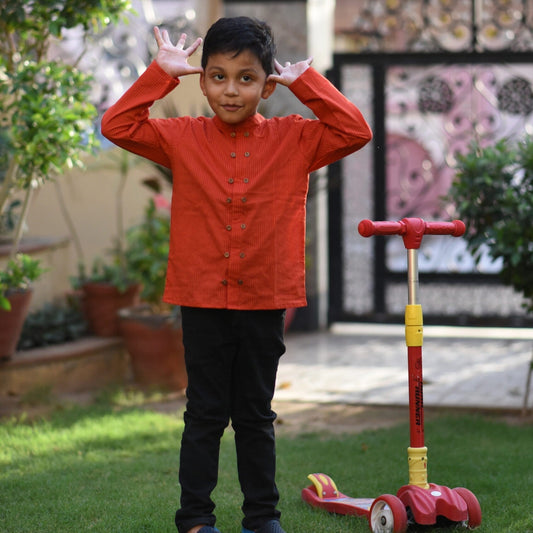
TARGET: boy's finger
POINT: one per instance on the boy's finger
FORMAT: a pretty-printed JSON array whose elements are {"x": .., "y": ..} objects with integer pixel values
[
  {"x": 194, "y": 46},
  {"x": 157, "y": 35},
  {"x": 181, "y": 42},
  {"x": 275, "y": 78},
  {"x": 166, "y": 37}
]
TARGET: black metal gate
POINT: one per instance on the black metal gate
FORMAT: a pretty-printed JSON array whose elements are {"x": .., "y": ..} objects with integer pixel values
[{"x": 424, "y": 108}]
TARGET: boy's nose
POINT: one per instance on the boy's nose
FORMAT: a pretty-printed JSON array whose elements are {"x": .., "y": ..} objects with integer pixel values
[{"x": 231, "y": 88}]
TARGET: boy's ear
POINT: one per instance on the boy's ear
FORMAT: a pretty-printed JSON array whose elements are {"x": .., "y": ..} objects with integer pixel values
[
  {"x": 202, "y": 83},
  {"x": 268, "y": 89}
]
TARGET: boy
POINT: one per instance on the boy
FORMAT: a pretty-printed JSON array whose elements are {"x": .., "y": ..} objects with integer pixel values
[{"x": 236, "y": 258}]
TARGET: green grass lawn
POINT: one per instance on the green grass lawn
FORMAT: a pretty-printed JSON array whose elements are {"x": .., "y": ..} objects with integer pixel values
[{"x": 110, "y": 469}]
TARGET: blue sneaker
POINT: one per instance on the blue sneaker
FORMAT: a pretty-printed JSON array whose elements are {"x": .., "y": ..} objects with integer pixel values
[{"x": 273, "y": 526}]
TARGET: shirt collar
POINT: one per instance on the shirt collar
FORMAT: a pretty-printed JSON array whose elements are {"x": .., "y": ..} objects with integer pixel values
[{"x": 249, "y": 124}]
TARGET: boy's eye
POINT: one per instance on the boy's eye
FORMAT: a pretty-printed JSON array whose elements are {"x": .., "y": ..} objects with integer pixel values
[
  {"x": 218, "y": 77},
  {"x": 246, "y": 78}
]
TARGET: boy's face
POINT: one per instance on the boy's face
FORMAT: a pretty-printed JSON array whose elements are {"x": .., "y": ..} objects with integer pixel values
[{"x": 234, "y": 86}]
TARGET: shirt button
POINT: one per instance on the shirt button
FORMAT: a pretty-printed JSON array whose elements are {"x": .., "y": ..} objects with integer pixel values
[
  {"x": 242, "y": 255},
  {"x": 246, "y": 154},
  {"x": 243, "y": 226},
  {"x": 226, "y": 254},
  {"x": 247, "y": 134},
  {"x": 243, "y": 199},
  {"x": 228, "y": 200},
  {"x": 240, "y": 282},
  {"x": 231, "y": 180},
  {"x": 233, "y": 134},
  {"x": 224, "y": 282},
  {"x": 233, "y": 154},
  {"x": 228, "y": 227},
  {"x": 245, "y": 180}
]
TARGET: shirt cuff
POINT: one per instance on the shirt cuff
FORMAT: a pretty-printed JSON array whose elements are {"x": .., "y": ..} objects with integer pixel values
[{"x": 159, "y": 72}]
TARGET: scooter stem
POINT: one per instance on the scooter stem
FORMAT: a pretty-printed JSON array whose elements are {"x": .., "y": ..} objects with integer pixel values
[
  {"x": 412, "y": 276},
  {"x": 417, "y": 452}
]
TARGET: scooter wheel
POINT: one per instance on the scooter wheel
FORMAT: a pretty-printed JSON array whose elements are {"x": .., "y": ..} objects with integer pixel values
[
  {"x": 387, "y": 515},
  {"x": 472, "y": 506}
]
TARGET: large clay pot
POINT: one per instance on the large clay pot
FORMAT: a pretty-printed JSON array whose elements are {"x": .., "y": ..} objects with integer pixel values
[
  {"x": 101, "y": 303},
  {"x": 155, "y": 345},
  {"x": 290, "y": 313},
  {"x": 11, "y": 322}
]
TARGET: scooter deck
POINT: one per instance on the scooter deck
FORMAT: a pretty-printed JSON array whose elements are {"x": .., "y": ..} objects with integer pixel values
[{"x": 323, "y": 493}]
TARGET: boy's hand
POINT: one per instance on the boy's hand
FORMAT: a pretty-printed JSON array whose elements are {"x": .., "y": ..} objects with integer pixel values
[
  {"x": 173, "y": 59},
  {"x": 288, "y": 73}
]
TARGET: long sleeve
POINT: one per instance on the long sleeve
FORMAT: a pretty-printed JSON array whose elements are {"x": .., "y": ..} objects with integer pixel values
[
  {"x": 127, "y": 122},
  {"x": 340, "y": 128}
]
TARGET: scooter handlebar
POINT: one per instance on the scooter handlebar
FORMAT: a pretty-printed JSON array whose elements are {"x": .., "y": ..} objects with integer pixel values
[{"x": 411, "y": 229}]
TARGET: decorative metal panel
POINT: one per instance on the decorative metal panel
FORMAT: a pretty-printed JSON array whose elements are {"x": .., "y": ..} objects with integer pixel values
[
  {"x": 432, "y": 114},
  {"x": 433, "y": 25},
  {"x": 357, "y": 185}
]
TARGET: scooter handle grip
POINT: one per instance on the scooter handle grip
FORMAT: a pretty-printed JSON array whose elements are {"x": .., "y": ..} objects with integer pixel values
[
  {"x": 367, "y": 228},
  {"x": 456, "y": 228}
]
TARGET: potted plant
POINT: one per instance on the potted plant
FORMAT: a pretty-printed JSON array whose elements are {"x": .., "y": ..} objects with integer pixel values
[
  {"x": 493, "y": 195},
  {"x": 106, "y": 289},
  {"x": 47, "y": 120},
  {"x": 57, "y": 322},
  {"x": 15, "y": 296},
  {"x": 109, "y": 285},
  {"x": 152, "y": 331}
]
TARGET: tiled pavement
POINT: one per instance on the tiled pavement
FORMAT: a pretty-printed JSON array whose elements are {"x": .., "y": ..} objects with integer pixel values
[{"x": 367, "y": 364}]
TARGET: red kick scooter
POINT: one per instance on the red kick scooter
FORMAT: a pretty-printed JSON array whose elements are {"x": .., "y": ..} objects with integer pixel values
[{"x": 419, "y": 502}]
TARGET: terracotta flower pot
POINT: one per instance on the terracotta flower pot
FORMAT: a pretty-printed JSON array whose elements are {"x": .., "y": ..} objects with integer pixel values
[
  {"x": 155, "y": 345},
  {"x": 11, "y": 322},
  {"x": 101, "y": 303}
]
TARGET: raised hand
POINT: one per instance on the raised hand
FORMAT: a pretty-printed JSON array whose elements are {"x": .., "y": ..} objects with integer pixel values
[
  {"x": 288, "y": 73},
  {"x": 174, "y": 59}
]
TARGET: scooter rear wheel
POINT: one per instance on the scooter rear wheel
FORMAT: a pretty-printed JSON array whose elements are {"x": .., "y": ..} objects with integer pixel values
[
  {"x": 387, "y": 515},
  {"x": 472, "y": 506}
]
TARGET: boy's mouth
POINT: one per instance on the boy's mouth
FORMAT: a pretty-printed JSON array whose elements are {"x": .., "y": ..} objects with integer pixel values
[{"x": 231, "y": 107}]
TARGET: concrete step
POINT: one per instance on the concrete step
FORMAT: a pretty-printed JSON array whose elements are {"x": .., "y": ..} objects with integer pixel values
[{"x": 88, "y": 364}]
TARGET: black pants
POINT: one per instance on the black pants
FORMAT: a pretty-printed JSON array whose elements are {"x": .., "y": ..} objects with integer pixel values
[{"x": 232, "y": 360}]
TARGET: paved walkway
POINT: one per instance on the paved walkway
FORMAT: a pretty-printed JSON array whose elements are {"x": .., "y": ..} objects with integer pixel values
[{"x": 367, "y": 364}]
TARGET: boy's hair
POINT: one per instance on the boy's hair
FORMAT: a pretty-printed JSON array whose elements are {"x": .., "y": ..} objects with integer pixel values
[{"x": 236, "y": 34}]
